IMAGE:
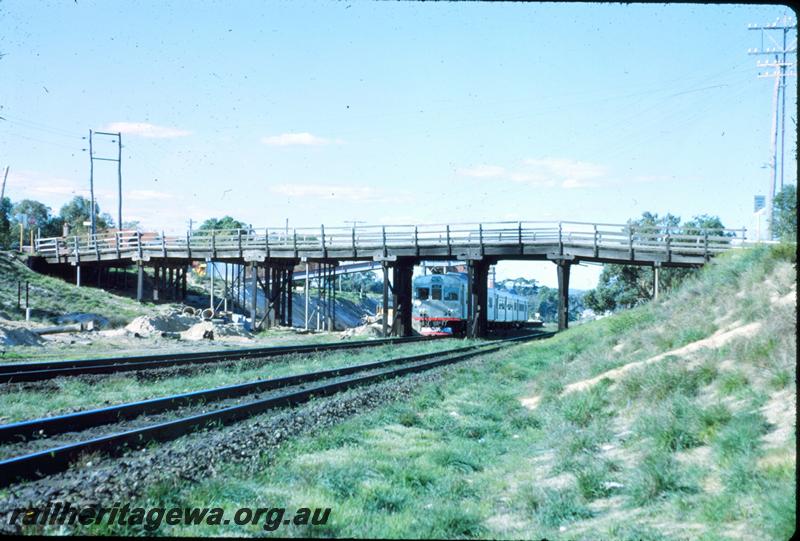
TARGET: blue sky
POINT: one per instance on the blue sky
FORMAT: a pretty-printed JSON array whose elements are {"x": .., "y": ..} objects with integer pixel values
[{"x": 324, "y": 112}]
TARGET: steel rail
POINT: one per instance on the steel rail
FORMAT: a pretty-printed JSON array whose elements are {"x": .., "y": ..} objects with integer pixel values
[
  {"x": 18, "y": 372},
  {"x": 42, "y": 463}
]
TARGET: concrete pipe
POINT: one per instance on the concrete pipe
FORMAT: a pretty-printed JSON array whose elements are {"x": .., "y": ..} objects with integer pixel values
[
  {"x": 189, "y": 311},
  {"x": 207, "y": 314}
]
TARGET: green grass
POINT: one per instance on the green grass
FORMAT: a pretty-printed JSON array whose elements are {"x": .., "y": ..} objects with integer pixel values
[{"x": 51, "y": 297}]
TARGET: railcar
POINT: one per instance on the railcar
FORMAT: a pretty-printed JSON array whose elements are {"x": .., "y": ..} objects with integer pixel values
[{"x": 440, "y": 305}]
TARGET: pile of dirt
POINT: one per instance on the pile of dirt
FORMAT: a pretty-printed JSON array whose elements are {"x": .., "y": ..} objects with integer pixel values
[
  {"x": 14, "y": 335},
  {"x": 148, "y": 325},
  {"x": 207, "y": 330},
  {"x": 368, "y": 329}
]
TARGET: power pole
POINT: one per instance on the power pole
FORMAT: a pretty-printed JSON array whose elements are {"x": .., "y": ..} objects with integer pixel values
[
  {"x": 118, "y": 159},
  {"x": 91, "y": 185},
  {"x": 3, "y": 189},
  {"x": 782, "y": 70}
]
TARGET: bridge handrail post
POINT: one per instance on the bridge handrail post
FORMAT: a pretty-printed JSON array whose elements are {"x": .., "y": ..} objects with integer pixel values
[
  {"x": 669, "y": 242},
  {"x": 163, "y": 244},
  {"x": 294, "y": 240},
  {"x": 353, "y": 239},
  {"x": 214, "y": 243},
  {"x": 519, "y": 236},
  {"x": 705, "y": 244},
  {"x": 58, "y": 256},
  {"x": 595, "y": 240},
  {"x": 322, "y": 240},
  {"x": 449, "y": 252},
  {"x": 117, "y": 242},
  {"x": 416, "y": 239},
  {"x": 383, "y": 234},
  {"x": 239, "y": 235},
  {"x": 189, "y": 244},
  {"x": 560, "y": 239},
  {"x": 266, "y": 240},
  {"x": 76, "y": 249},
  {"x": 630, "y": 242},
  {"x": 139, "y": 243}
]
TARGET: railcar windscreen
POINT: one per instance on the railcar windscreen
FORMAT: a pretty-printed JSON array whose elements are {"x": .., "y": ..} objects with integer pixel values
[{"x": 423, "y": 293}]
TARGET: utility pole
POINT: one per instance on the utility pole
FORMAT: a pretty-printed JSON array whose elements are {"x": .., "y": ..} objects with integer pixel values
[
  {"x": 781, "y": 65},
  {"x": 3, "y": 189},
  {"x": 91, "y": 185},
  {"x": 118, "y": 159}
]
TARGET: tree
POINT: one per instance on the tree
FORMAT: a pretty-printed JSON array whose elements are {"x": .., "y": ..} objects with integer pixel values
[
  {"x": 625, "y": 286},
  {"x": 706, "y": 224},
  {"x": 226, "y": 222},
  {"x": 5, "y": 223},
  {"x": 38, "y": 216},
  {"x": 359, "y": 281},
  {"x": 546, "y": 304},
  {"x": 78, "y": 211},
  {"x": 784, "y": 210}
]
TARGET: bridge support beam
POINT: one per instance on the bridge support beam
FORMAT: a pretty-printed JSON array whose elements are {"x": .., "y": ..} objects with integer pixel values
[
  {"x": 171, "y": 284},
  {"x": 156, "y": 282},
  {"x": 183, "y": 282},
  {"x": 656, "y": 269},
  {"x": 385, "y": 324},
  {"x": 253, "y": 296},
  {"x": 139, "y": 282},
  {"x": 478, "y": 283},
  {"x": 289, "y": 294},
  {"x": 563, "y": 267},
  {"x": 402, "y": 273}
]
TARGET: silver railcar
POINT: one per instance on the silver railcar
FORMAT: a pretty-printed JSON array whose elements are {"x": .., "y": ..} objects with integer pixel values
[{"x": 440, "y": 305}]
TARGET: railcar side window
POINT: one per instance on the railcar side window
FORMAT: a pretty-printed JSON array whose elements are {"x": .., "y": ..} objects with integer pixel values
[
  {"x": 490, "y": 302},
  {"x": 423, "y": 293},
  {"x": 451, "y": 294},
  {"x": 436, "y": 292}
]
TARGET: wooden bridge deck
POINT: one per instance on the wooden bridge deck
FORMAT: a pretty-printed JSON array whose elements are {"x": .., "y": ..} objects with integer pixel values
[{"x": 576, "y": 241}]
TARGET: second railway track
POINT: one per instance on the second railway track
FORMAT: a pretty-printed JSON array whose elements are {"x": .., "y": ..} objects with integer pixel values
[
  {"x": 32, "y": 464},
  {"x": 44, "y": 370}
]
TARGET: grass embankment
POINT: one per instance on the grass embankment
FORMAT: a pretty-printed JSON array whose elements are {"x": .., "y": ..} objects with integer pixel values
[
  {"x": 51, "y": 297},
  {"x": 73, "y": 394},
  {"x": 592, "y": 434}
]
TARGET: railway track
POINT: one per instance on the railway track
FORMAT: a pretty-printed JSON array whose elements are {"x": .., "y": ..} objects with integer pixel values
[
  {"x": 43, "y": 370},
  {"x": 297, "y": 389}
]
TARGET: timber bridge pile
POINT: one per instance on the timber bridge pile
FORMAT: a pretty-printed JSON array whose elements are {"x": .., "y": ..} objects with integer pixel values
[{"x": 398, "y": 248}]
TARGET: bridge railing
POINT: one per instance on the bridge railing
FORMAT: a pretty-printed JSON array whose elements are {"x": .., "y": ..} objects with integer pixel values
[{"x": 688, "y": 240}]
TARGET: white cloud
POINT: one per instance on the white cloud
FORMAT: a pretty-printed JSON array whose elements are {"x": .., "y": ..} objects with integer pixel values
[
  {"x": 545, "y": 173},
  {"x": 302, "y": 138},
  {"x": 483, "y": 171},
  {"x": 144, "y": 129},
  {"x": 46, "y": 188},
  {"x": 568, "y": 173}
]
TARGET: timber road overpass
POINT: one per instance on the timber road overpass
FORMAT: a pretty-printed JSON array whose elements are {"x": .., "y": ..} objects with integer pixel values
[{"x": 274, "y": 253}]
